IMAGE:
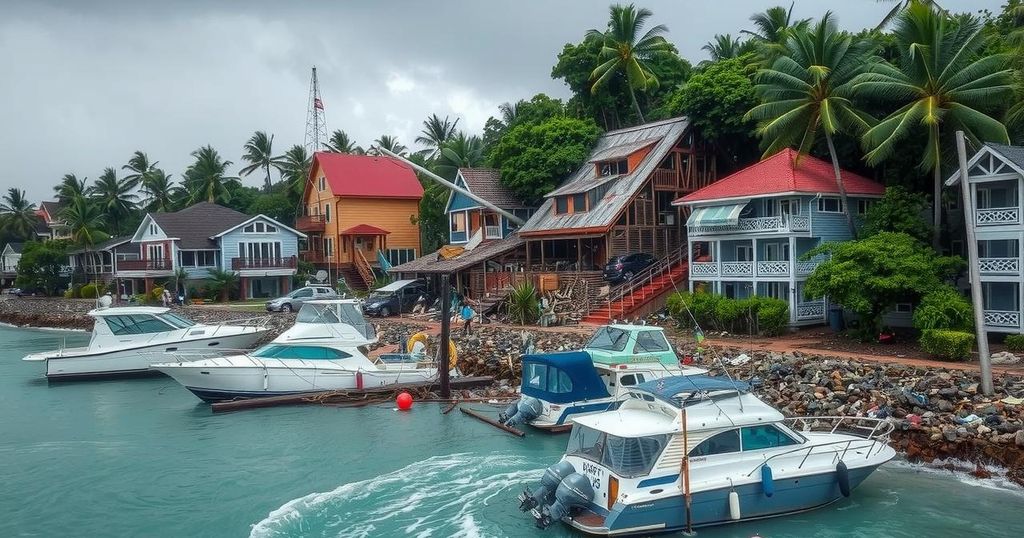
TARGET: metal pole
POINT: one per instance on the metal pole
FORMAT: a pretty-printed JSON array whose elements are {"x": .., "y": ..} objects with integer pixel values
[
  {"x": 686, "y": 476},
  {"x": 446, "y": 314},
  {"x": 972, "y": 266}
]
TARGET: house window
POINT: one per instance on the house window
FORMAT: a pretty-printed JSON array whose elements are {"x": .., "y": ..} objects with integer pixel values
[
  {"x": 789, "y": 207},
  {"x": 776, "y": 252},
  {"x": 155, "y": 252},
  {"x": 259, "y": 228},
  {"x": 398, "y": 256},
  {"x": 327, "y": 212},
  {"x": 198, "y": 258},
  {"x": 561, "y": 205},
  {"x": 863, "y": 206},
  {"x": 904, "y": 308},
  {"x": 613, "y": 168},
  {"x": 458, "y": 222},
  {"x": 329, "y": 247},
  {"x": 259, "y": 250},
  {"x": 776, "y": 290},
  {"x": 323, "y": 183},
  {"x": 744, "y": 253},
  {"x": 492, "y": 227},
  {"x": 579, "y": 202},
  {"x": 830, "y": 205}
]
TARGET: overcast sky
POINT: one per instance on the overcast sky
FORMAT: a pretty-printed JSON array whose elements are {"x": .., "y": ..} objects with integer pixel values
[{"x": 84, "y": 84}]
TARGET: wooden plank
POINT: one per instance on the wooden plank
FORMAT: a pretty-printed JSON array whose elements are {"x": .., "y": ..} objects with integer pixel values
[{"x": 492, "y": 422}]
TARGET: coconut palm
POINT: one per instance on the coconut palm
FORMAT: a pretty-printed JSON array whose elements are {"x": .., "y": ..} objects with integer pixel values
[
  {"x": 942, "y": 85},
  {"x": 206, "y": 178},
  {"x": 460, "y": 151},
  {"x": 773, "y": 28},
  {"x": 85, "y": 222},
  {"x": 626, "y": 52},
  {"x": 259, "y": 153},
  {"x": 69, "y": 188},
  {"x": 17, "y": 214},
  {"x": 435, "y": 133},
  {"x": 222, "y": 282},
  {"x": 160, "y": 191},
  {"x": 724, "y": 47},
  {"x": 341, "y": 143},
  {"x": 510, "y": 111},
  {"x": 114, "y": 197},
  {"x": 389, "y": 143},
  {"x": 295, "y": 170},
  {"x": 809, "y": 90},
  {"x": 139, "y": 166},
  {"x": 900, "y": 6}
]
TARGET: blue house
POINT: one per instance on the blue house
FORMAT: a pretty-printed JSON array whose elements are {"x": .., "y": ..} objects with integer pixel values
[
  {"x": 203, "y": 237},
  {"x": 747, "y": 232},
  {"x": 466, "y": 217}
]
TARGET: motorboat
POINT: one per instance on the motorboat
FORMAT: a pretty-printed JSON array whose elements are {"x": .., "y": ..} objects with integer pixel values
[
  {"x": 558, "y": 388},
  {"x": 324, "y": 350},
  {"x": 685, "y": 452},
  {"x": 125, "y": 341}
]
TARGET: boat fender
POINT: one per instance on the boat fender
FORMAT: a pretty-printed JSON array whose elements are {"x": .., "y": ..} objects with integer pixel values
[
  {"x": 734, "y": 505},
  {"x": 359, "y": 379},
  {"x": 843, "y": 475},
  {"x": 574, "y": 491},
  {"x": 767, "y": 482},
  {"x": 545, "y": 494}
]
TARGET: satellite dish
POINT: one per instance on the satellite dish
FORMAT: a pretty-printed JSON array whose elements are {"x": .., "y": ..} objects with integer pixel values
[{"x": 321, "y": 275}]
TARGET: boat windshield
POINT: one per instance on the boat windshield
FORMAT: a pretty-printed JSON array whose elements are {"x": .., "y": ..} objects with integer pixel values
[
  {"x": 176, "y": 320},
  {"x": 347, "y": 313},
  {"x": 608, "y": 339},
  {"x": 547, "y": 378},
  {"x": 136, "y": 324},
  {"x": 628, "y": 457},
  {"x": 279, "y": 351}
]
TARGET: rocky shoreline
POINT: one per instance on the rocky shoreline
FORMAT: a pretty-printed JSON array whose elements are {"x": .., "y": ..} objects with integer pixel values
[{"x": 939, "y": 414}]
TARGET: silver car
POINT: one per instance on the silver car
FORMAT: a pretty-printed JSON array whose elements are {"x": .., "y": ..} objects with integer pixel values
[{"x": 294, "y": 300}]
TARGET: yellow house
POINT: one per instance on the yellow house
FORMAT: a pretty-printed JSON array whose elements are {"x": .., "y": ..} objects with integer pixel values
[{"x": 358, "y": 209}]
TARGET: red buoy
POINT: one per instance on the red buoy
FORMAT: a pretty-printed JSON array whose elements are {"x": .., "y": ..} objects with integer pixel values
[{"x": 404, "y": 401}]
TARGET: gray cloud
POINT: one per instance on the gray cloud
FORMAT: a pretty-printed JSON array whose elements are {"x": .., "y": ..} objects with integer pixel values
[{"x": 84, "y": 84}]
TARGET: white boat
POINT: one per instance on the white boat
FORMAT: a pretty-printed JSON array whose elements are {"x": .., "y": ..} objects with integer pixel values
[
  {"x": 127, "y": 340},
  {"x": 558, "y": 388},
  {"x": 638, "y": 470},
  {"x": 324, "y": 350}
]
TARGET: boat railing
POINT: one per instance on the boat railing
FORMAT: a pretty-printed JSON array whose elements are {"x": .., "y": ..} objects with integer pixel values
[
  {"x": 874, "y": 438},
  {"x": 189, "y": 355},
  {"x": 259, "y": 322}
]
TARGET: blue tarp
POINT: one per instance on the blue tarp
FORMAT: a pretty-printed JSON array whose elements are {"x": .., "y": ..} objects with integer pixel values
[
  {"x": 562, "y": 377},
  {"x": 668, "y": 387}
]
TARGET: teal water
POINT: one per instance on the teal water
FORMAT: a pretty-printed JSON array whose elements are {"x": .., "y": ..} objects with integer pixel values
[{"x": 145, "y": 458}]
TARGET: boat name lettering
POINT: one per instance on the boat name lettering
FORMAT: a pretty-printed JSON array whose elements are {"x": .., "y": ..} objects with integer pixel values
[
  {"x": 644, "y": 358},
  {"x": 591, "y": 469},
  {"x": 698, "y": 460},
  {"x": 641, "y": 506}
]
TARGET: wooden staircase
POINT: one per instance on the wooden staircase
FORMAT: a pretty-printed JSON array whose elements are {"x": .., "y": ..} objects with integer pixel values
[{"x": 665, "y": 276}]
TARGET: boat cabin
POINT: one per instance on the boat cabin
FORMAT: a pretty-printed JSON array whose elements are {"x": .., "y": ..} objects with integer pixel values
[
  {"x": 133, "y": 321},
  {"x": 331, "y": 319}
]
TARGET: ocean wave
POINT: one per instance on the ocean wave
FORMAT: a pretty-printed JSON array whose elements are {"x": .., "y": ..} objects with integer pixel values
[
  {"x": 960, "y": 471},
  {"x": 439, "y": 496}
]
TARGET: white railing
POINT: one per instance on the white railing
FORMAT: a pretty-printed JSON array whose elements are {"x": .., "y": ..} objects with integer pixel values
[
  {"x": 779, "y": 224},
  {"x": 1003, "y": 266},
  {"x": 492, "y": 232},
  {"x": 810, "y": 310},
  {"x": 773, "y": 268},
  {"x": 737, "y": 268},
  {"x": 799, "y": 223},
  {"x": 761, "y": 224},
  {"x": 1002, "y": 318},
  {"x": 995, "y": 216},
  {"x": 804, "y": 268},
  {"x": 699, "y": 269}
]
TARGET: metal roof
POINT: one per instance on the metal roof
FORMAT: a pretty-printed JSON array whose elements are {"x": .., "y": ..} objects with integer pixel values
[
  {"x": 663, "y": 134},
  {"x": 432, "y": 263}
]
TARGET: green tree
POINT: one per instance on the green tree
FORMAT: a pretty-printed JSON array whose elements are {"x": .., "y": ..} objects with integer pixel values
[
  {"x": 810, "y": 89},
  {"x": 435, "y": 133},
  {"x": 206, "y": 178},
  {"x": 275, "y": 205},
  {"x": 259, "y": 153},
  {"x": 85, "y": 221},
  {"x": 942, "y": 85},
  {"x": 869, "y": 276},
  {"x": 725, "y": 47},
  {"x": 341, "y": 143},
  {"x": 115, "y": 197},
  {"x": 140, "y": 167},
  {"x": 461, "y": 151},
  {"x": 773, "y": 28},
  {"x": 625, "y": 51},
  {"x": 41, "y": 266},
  {"x": 295, "y": 172},
  {"x": 389, "y": 143},
  {"x": 222, "y": 283},
  {"x": 161, "y": 194},
  {"x": 17, "y": 215},
  {"x": 69, "y": 188},
  {"x": 534, "y": 158},
  {"x": 898, "y": 211}
]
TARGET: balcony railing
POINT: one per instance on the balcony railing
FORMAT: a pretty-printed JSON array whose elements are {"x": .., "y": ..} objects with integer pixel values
[
  {"x": 804, "y": 268},
  {"x": 699, "y": 269},
  {"x": 492, "y": 232},
  {"x": 998, "y": 216},
  {"x": 312, "y": 256},
  {"x": 773, "y": 268},
  {"x": 666, "y": 178},
  {"x": 289, "y": 262},
  {"x": 779, "y": 224},
  {"x": 145, "y": 265},
  {"x": 310, "y": 223},
  {"x": 999, "y": 266},
  {"x": 738, "y": 269},
  {"x": 744, "y": 269},
  {"x": 811, "y": 310},
  {"x": 1002, "y": 318}
]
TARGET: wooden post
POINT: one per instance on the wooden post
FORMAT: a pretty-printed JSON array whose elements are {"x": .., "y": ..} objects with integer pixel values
[
  {"x": 446, "y": 315},
  {"x": 973, "y": 268},
  {"x": 686, "y": 475}
]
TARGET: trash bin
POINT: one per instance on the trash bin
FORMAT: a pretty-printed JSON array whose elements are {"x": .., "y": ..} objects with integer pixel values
[{"x": 835, "y": 318}]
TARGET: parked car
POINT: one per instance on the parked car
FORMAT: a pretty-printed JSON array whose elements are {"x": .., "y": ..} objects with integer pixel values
[
  {"x": 399, "y": 296},
  {"x": 14, "y": 291},
  {"x": 294, "y": 300},
  {"x": 622, "y": 268}
]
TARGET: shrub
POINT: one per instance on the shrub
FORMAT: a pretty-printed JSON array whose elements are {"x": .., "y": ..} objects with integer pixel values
[
  {"x": 156, "y": 294},
  {"x": 761, "y": 315},
  {"x": 69, "y": 294},
  {"x": 1014, "y": 342},
  {"x": 944, "y": 308},
  {"x": 772, "y": 316},
  {"x": 946, "y": 344},
  {"x": 88, "y": 291},
  {"x": 523, "y": 306}
]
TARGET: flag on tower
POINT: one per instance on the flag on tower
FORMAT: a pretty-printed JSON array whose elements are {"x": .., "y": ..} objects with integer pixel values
[{"x": 317, "y": 103}]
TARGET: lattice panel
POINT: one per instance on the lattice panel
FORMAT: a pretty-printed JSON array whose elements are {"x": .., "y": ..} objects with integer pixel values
[
  {"x": 1002, "y": 215},
  {"x": 1002, "y": 318},
  {"x": 999, "y": 265},
  {"x": 804, "y": 268},
  {"x": 779, "y": 268},
  {"x": 761, "y": 224},
  {"x": 704, "y": 269},
  {"x": 799, "y": 223},
  {"x": 737, "y": 268},
  {"x": 815, "y": 310}
]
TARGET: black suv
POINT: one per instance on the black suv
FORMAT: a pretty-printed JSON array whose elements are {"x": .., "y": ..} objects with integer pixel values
[
  {"x": 397, "y": 297},
  {"x": 622, "y": 268}
]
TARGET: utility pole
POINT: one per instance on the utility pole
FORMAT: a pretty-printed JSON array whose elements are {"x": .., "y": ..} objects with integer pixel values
[
  {"x": 973, "y": 269},
  {"x": 446, "y": 330}
]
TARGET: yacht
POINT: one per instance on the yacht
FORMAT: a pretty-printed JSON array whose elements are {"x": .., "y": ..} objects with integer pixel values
[
  {"x": 685, "y": 452},
  {"x": 558, "y": 388},
  {"x": 324, "y": 350},
  {"x": 127, "y": 340}
]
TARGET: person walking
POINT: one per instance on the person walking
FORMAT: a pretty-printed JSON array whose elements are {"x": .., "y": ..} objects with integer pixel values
[{"x": 467, "y": 318}]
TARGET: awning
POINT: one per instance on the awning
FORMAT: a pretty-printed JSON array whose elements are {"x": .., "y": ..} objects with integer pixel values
[
  {"x": 719, "y": 215},
  {"x": 364, "y": 229}
]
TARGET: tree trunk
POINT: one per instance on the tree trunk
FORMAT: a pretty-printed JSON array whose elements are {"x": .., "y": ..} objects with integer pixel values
[
  {"x": 841, "y": 185},
  {"x": 267, "y": 184},
  {"x": 937, "y": 202},
  {"x": 636, "y": 105}
]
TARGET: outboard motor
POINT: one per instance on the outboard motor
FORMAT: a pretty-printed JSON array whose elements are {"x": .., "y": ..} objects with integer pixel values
[
  {"x": 524, "y": 410},
  {"x": 574, "y": 491},
  {"x": 545, "y": 494}
]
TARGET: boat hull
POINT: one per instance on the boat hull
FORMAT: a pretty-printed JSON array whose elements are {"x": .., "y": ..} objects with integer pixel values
[
  {"x": 135, "y": 362},
  {"x": 711, "y": 507}
]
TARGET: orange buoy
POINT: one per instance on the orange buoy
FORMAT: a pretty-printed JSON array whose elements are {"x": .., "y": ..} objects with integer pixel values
[{"x": 404, "y": 401}]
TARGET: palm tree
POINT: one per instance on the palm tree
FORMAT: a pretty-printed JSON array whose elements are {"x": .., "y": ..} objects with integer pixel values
[
  {"x": 17, "y": 214},
  {"x": 774, "y": 27},
  {"x": 902, "y": 5},
  {"x": 389, "y": 143},
  {"x": 725, "y": 47},
  {"x": 161, "y": 192},
  {"x": 114, "y": 197},
  {"x": 626, "y": 52},
  {"x": 810, "y": 89},
  {"x": 435, "y": 133},
  {"x": 943, "y": 86},
  {"x": 510, "y": 111},
  {"x": 69, "y": 188},
  {"x": 85, "y": 221},
  {"x": 295, "y": 170},
  {"x": 341, "y": 143},
  {"x": 259, "y": 151},
  {"x": 1015, "y": 115},
  {"x": 139, "y": 166},
  {"x": 460, "y": 151},
  {"x": 206, "y": 178},
  {"x": 224, "y": 282}
]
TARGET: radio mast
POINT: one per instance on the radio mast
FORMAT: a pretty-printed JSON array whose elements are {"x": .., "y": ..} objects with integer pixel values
[{"x": 316, "y": 121}]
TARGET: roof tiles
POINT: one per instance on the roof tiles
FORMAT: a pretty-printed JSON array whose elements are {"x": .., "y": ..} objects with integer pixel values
[{"x": 368, "y": 176}]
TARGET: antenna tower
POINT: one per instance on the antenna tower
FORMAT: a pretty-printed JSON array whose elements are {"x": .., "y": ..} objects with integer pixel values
[{"x": 316, "y": 121}]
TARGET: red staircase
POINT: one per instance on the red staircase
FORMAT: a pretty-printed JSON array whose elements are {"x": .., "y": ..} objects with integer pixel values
[{"x": 663, "y": 277}]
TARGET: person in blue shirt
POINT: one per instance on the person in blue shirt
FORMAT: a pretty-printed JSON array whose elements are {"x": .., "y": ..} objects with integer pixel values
[{"x": 467, "y": 314}]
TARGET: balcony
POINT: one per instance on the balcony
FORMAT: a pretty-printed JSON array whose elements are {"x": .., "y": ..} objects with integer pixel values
[
  {"x": 312, "y": 256},
  {"x": 747, "y": 269},
  {"x": 999, "y": 266},
  {"x": 738, "y": 269},
  {"x": 998, "y": 216},
  {"x": 811, "y": 310},
  {"x": 757, "y": 225},
  {"x": 241, "y": 264},
  {"x": 773, "y": 268},
  {"x": 492, "y": 232},
  {"x": 703, "y": 269},
  {"x": 310, "y": 223},
  {"x": 159, "y": 265},
  {"x": 666, "y": 179}
]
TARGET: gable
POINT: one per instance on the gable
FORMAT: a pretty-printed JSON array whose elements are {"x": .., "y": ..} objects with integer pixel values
[
  {"x": 458, "y": 201},
  {"x": 366, "y": 176},
  {"x": 261, "y": 225},
  {"x": 992, "y": 160},
  {"x": 148, "y": 230}
]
